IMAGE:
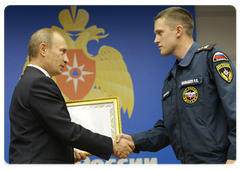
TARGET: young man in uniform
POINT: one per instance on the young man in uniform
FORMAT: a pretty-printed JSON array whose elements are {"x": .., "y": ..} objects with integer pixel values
[{"x": 198, "y": 97}]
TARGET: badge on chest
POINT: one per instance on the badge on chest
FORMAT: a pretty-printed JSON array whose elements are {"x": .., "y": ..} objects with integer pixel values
[{"x": 190, "y": 95}]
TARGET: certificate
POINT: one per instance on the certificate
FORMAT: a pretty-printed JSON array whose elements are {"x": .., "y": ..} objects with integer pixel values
[{"x": 98, "y": 115}]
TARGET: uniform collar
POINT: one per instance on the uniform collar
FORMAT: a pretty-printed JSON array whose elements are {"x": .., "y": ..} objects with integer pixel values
[
  {"x": 189, "y": 56},
  {"x": 186, "y": 60}
]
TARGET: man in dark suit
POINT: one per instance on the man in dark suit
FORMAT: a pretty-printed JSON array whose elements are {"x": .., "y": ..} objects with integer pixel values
[{"x": 41, "y": 128}]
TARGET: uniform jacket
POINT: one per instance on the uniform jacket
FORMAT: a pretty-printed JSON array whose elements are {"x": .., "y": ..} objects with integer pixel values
[
  {"x": 199, "y": 109},
  {"x": 41, "y": 128}
]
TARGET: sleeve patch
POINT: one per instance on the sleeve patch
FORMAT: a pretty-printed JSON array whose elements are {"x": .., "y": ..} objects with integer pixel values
[
  {"x": 219, "y": 56},
  {"x": 225, "y": 71},
  {"x": 207, "y": 47}
]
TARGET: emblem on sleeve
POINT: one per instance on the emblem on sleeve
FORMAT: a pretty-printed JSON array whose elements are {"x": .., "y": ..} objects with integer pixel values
[
  {"x": 225, "y": 71},
  {"x": 218, "y": 56},
  {"x": 190, "y": 95}
]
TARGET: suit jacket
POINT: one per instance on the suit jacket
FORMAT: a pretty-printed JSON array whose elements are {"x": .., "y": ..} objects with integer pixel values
[{"x": 41, "y": 128}]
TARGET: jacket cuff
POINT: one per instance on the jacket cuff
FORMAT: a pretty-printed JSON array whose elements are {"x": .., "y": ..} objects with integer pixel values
[{"x": 232, "y": 153}]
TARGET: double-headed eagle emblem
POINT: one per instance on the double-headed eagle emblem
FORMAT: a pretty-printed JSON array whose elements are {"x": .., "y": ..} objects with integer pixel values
[{"x": 87, "y": 76}]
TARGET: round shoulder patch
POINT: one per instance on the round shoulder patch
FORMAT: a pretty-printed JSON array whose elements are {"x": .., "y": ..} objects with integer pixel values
[
  {"x": 219, "y": 56},
  {"x": 190, "y": 95}
]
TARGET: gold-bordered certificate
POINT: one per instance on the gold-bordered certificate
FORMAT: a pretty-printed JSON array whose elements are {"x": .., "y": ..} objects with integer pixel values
[{"x": 98, "y": 115}]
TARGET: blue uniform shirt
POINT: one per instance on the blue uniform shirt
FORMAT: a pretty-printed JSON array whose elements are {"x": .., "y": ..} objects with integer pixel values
[{"x": 199, "y": 109}]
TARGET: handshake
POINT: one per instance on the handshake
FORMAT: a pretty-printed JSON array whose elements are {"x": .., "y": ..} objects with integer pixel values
[{"x": 123, "y": 145}]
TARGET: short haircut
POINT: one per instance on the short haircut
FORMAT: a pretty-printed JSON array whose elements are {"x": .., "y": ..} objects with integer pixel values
[
  {"x": 44, "y": 35},
  {"x": 175, "y": 16}
]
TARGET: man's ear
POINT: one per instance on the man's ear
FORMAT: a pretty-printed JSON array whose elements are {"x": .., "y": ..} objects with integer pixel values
[
  {"x": 42, "y": 49},
  {"x": 179, "y": 30}
]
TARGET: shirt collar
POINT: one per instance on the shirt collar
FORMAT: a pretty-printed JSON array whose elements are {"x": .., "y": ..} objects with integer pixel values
[
  {"x": 180, "y": 60},
  {"x": 41, "y": 69}
]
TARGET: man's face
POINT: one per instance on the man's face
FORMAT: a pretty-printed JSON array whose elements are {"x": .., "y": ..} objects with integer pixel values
[
  {"x": 165, "y": 38},
  {"x": 56, "y": 57}
]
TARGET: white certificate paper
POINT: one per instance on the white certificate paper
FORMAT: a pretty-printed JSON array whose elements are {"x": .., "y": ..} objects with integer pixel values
[{"x": 96, "y": 120}]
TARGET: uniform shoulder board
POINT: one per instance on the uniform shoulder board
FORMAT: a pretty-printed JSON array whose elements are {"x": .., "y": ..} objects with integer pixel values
[{"x": 207, "y": 47}]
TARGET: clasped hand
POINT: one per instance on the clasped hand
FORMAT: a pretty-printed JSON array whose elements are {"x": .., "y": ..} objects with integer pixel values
[
  {"x": 123, "y": 146},
  {"x": 78, "y": 156}
]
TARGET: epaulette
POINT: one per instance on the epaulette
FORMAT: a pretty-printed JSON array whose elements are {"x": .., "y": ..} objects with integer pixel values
[{"x": 207, "y": 47}]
